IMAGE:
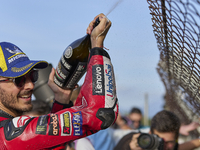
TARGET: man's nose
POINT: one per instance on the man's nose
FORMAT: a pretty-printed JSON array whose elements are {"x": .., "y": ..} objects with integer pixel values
[{"x": 29, "y": 84}]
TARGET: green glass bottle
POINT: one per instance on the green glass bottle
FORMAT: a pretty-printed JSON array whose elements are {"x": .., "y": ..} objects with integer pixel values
[{"x": 73, "y": 63}]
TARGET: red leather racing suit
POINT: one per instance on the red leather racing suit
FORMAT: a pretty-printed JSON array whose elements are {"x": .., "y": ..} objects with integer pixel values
[{"x": 96, "y": 108}]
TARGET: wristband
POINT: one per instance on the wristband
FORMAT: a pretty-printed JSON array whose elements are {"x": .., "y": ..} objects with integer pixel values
[{"x": 57, "y": 106}]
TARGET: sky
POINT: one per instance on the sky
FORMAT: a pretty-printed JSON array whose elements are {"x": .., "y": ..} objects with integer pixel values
[{"x": 43, "y": 29}]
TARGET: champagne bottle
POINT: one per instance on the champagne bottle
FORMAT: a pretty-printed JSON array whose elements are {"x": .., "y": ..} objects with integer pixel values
[{"x": 73, "y": 63}]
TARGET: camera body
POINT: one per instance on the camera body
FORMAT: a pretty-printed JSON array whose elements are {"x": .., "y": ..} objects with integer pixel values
[
  {"x": 41, "y": 90},
  {"x": 150, "y": 142}
]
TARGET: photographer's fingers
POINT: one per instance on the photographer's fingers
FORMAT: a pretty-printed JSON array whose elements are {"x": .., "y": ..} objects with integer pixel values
[{"x": 134, "y": 144}]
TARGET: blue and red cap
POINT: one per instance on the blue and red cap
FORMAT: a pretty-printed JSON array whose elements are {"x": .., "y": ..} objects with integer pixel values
[{"x": 15, "y": 63}]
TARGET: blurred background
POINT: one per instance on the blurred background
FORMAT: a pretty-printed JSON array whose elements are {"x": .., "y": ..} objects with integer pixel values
[{"x": 43, "y": 29}]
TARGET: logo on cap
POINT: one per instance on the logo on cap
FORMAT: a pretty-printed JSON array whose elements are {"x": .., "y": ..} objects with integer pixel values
[{"x": 15, "y": 51}]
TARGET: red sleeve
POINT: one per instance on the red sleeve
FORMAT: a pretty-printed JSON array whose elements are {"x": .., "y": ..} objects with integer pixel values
[{"x": 96, "y": 108}]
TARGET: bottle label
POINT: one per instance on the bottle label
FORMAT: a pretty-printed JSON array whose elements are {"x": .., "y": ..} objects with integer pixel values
[
  {"x": 65, "y": 63},
  {"x": 68, "y": 52},
  {"x": 78, "y": 73},
  {"x": 61, "y": 72},
  {"x": 60, "y": 84}
]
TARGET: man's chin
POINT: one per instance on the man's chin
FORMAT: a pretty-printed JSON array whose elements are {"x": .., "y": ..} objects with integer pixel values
[{"x": 27, "y": 108}]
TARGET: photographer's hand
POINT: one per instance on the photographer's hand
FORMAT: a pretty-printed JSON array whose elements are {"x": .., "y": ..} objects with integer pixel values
[
  {"x": 134, "y": 144},
  {"x": 185, "y": 129}
]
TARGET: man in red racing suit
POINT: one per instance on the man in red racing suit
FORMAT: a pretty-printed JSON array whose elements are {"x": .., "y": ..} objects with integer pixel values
[{"x": 96, "y": 108}]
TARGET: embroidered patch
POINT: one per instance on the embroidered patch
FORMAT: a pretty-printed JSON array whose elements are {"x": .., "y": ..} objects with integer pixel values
[
  {"x": 65, "y": 119},
  {"x": 14, "y": 69},
  {"x": 77, "y": 123},
  {"x": 54, "y": 125},
  {"x": 98, "y": 87},
  {"x": 41, "y": 127}
]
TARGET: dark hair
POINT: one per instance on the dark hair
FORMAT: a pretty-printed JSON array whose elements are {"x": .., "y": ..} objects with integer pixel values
[
  {"x": 123, "y": 144},
  {"x": 165, "y": 121},
  {"x": 135, "y": 110}
]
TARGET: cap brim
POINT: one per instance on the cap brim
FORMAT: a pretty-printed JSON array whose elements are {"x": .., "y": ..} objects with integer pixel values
[{"x": 23, "y": 67}]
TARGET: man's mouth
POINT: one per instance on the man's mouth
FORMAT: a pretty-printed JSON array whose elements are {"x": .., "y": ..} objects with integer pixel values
[{"x": 25, "y": 96}]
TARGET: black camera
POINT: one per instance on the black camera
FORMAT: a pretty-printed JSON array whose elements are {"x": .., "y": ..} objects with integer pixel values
[{"x": 150, "y": 142}]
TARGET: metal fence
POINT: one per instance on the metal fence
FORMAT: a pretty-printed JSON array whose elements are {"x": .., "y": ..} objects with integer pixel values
[{"x": 176, "y": 26}]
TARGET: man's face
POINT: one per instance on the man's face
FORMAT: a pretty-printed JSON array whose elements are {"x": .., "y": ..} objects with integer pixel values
[
  {"x": 136, "y": 119},
  {"x": 14, "y": 98},
  {"x": 169, "y": 139}
]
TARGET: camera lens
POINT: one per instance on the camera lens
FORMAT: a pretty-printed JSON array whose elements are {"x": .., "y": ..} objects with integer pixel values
[
  {"x": 149, "y": 141},
  {"x": 144, "y": 141}
]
